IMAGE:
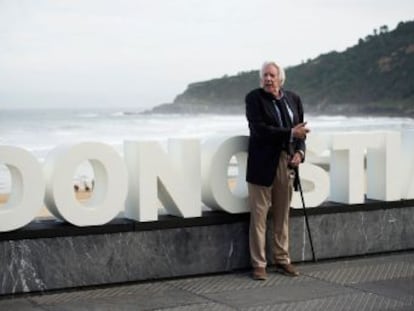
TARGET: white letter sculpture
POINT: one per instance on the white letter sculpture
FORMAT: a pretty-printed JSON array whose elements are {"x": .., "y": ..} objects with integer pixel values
[
  {"x": 110, "y": 188},
  {"x": 215, "y": 159},
  {"x": 174, "y": 178},
  {"x": 383, "y": 167},
  {"x": 27, "y": 188},
  {"x": 347, "y": 166},
  {"x": 407, "y": 168},
  {"x": 314, "y": 179}
]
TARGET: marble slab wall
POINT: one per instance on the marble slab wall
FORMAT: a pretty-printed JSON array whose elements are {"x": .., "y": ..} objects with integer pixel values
[
  {"x": 352, "y": 234},
  {"x": 41, "y": 264}
]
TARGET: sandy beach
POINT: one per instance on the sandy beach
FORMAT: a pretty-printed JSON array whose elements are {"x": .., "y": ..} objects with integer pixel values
[{"x": 80, "y": 195}]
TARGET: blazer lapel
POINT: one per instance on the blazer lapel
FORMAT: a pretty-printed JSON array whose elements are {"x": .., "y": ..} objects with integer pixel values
[
  {"x": 272, "y": 111},
  {"x": 269, "y": 107},
  {"x": 293, "y": 108}
]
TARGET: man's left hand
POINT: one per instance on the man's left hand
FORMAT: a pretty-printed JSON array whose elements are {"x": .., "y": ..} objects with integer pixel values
[{"x": 296, "y": 159}]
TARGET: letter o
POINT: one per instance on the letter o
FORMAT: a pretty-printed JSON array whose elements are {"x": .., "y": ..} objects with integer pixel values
[
  {"x": 110, "y": 189},
  {"x": 28, "y": 188},
  {"x": 216, "y": 155}
]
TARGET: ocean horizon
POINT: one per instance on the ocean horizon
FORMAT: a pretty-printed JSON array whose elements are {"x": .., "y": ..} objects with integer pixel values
[{"x": 41, "y": 130}]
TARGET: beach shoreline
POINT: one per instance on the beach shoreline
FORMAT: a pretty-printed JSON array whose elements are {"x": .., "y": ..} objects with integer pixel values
[{"x": 81, "y": 196}]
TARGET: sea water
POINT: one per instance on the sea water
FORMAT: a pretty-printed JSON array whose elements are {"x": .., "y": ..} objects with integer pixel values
[{"x": 40, "y": 130}]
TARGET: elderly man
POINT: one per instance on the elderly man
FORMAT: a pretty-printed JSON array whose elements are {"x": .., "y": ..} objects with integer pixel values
[{"x": 276, "y": 148}]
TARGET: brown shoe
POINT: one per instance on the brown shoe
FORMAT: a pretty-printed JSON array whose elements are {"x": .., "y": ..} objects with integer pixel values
[
  {"x": 287, "y": 269},
  {"x": 259, "y": 273}
]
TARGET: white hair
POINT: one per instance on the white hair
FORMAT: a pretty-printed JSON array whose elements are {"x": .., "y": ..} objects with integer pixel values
[{"x": 282, "y": 75}]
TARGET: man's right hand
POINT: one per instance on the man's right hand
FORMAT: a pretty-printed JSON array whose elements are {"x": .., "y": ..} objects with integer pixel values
[{"x": 300, "y": 130}]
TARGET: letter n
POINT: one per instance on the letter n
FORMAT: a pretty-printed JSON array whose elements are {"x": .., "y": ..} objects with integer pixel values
[{"x": 172, "y": 178}]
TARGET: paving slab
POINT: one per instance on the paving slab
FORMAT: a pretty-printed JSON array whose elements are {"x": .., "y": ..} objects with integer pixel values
[
  {"x": 375, "y": 283},
  {"x": 401, "y": 288},
  {"x": 351, "y": 302},
  {"x": 129, "y": 297},
  {"x": 19, "y": 304}
]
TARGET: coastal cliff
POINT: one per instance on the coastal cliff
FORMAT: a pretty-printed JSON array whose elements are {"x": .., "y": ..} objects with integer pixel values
[{"x": 373, "y": 77}]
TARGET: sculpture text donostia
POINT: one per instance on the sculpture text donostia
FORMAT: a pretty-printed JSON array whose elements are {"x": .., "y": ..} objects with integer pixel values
[{"x": 186, "y": 174}]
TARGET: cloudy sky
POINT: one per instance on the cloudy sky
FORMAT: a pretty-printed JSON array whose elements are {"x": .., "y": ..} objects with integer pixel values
[{"x": 120, "y": 53}]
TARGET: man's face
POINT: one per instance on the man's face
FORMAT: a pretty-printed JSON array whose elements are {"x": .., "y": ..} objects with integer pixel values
[{"x": 270, "y": 80}]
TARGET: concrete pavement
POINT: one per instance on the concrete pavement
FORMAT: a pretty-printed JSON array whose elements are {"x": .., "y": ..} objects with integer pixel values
[{"x": 377, "y": 283}]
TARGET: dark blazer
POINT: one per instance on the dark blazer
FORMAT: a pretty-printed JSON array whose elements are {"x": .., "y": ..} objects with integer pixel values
[{"x": 267, "y": 136}]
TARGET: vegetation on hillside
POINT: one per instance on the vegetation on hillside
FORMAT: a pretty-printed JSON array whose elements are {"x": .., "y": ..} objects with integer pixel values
[{"x": 375, "y": 76}]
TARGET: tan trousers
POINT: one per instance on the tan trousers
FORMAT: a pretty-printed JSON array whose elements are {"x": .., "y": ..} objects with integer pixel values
[{"x": 275, "y": 199}]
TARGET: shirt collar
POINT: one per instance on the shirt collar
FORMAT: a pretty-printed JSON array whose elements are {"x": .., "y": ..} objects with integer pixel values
[{"x": 271, "y": 96}]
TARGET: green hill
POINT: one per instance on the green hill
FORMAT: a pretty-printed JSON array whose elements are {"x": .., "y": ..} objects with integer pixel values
[{"x": 375, "y": 76}]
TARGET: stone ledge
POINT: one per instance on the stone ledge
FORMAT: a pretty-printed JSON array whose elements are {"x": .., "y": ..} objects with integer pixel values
[
  {"x": 48, "y": 255},
  {"x": 49, "y": 228}
]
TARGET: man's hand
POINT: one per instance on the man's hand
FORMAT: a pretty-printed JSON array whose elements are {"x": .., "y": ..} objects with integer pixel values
[
  {"x": 300, "y": 130},
  {"x": 296, "y": 159}
]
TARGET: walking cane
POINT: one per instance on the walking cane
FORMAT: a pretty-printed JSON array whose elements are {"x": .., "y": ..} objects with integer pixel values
[{"x": 305, "y": 213}]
